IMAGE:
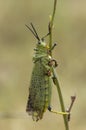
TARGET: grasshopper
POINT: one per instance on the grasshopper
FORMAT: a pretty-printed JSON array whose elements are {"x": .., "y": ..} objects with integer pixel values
[{"x": 40, "y": 89}]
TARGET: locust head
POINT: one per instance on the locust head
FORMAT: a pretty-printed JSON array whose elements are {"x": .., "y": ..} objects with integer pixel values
[{"x": 41, "y": 42}]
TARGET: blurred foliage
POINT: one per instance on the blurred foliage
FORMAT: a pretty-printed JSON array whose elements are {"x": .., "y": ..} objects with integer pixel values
[{"x": 16, "y": 51}]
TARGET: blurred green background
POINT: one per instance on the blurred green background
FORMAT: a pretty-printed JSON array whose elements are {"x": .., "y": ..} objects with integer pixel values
[{"x": 16, "y": 51}]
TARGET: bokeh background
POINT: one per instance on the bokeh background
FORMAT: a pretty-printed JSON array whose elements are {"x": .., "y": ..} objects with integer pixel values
[{"x": 16, "y": 51}]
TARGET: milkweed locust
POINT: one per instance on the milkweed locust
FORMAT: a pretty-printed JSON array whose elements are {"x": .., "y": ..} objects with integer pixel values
[
  {"x": 41, "y": 81},
  {"x": 43, "y": 77}
]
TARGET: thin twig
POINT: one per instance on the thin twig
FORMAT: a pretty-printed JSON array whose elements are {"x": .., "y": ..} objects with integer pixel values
[
  {"x": 53, "y": 70},
  {"x": 71, "y": 105},
  {"x": 51, "y": 24},
  {"x": 56, "y": 82}
]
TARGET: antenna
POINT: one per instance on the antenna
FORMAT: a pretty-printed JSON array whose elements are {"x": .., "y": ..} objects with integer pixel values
[{"x": 33, "y": 30}]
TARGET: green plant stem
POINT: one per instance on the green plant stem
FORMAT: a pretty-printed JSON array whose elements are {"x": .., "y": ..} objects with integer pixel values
[
  {"x": 60, "y": 98},
  {"x": 54, "y": 73},
  {"x": 51, "y": 25}
]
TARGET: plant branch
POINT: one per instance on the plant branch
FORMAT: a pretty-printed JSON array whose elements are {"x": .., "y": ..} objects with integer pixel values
[
  {"x": 56, "y": 82},
  {"x": 51, "y": 25},
  {"x": 55, "y": 79}
]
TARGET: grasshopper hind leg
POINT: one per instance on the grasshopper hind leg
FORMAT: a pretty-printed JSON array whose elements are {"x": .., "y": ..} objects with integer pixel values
[{"x": 57, "y": 112}]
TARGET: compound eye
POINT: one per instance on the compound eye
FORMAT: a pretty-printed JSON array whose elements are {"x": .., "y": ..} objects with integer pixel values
[
  {"x": 42, "y": 39},
  {"x": 39, "y": 42}
]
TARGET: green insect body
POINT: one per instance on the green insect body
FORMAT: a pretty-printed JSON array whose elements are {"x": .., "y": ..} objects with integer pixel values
[{"x": 41, "y": 84}]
